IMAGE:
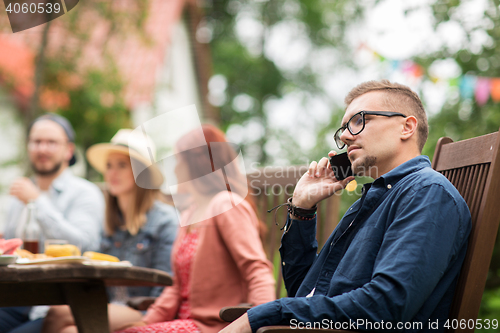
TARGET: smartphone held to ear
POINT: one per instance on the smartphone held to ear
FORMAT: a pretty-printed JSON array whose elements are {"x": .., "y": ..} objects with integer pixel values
[{"x": 341, "y": 166}]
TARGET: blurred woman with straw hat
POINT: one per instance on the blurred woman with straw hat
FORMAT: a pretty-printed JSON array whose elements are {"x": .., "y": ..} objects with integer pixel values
[{"x": 138, "y": 227}]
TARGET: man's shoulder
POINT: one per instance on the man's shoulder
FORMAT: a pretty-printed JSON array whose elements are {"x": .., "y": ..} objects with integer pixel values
[
  {"x": 416, "y": 174},
  {"x": 428, "y": 176},
  {"x": 81, "y": 184},
  {"x": 428, "y": 179}
]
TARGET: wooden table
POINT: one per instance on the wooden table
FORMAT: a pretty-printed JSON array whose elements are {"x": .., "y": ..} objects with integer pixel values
[{"x": 82, "y": 287}]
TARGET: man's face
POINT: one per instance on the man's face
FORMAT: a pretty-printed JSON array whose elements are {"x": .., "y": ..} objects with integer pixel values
[
  {"x": 371, "y": 152},
  {"x": 48, "y": 147}
]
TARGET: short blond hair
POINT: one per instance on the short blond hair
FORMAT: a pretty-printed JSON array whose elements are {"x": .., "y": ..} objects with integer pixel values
[{"x": 399, "y": 98}]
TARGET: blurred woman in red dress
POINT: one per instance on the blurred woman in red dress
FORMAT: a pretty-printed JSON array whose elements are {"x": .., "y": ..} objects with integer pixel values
[{"x": 218, "y": 258}]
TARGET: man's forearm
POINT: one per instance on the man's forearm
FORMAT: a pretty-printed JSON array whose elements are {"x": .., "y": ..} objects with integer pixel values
[{"x": 298, "y": 252}]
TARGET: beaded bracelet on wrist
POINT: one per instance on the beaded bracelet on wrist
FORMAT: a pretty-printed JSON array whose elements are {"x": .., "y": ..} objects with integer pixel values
[
  {"x": 295, "y": 211},
  {"x": 301, "y": 213}
]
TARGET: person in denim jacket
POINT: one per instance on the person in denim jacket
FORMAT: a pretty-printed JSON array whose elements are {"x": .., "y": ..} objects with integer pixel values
[
  {"x": 138, "y": 227},
  {"x": 150, "y": 247}
]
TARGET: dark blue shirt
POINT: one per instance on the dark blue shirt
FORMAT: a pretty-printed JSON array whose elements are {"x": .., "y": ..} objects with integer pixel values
[{"x": 394, "y": 257}]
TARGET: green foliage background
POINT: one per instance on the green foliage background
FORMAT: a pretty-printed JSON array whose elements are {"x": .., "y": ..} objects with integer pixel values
[
  {"x": 96, "y": 107},
  {"x": 260, "y": 78}
]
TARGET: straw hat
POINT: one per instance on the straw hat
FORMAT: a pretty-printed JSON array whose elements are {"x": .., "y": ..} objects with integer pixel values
[{"x": 138, "y": 146}]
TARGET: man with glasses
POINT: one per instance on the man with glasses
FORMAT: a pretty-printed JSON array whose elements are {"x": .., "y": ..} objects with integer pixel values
[
  {"x": 66, "y": 207},
  {"x": 393, "y": 261}
]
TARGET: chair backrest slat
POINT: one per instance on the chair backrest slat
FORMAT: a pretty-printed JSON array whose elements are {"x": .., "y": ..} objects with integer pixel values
[
  {"x": 466, "y": 183},
  {"x": 473, "y": 167},
  {"x": 461, "y": 178},
  {"x": 470, "y": 190},
  {"x": 483, "y": 173},
  {"x": 454, "y": 177}
]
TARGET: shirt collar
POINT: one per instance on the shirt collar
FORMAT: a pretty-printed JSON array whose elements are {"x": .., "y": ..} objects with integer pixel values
[
  {"x": 60, "y": 182},
  {"x": 395, "y": 175}
]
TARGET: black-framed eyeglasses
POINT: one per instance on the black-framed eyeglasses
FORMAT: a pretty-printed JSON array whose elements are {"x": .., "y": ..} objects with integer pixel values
[
  {"x": 356, "y": 124},
  {"x": 51, "y": 145}
]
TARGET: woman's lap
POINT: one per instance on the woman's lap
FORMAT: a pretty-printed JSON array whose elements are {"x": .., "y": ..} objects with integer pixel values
[{"x": 174, "y": 326}]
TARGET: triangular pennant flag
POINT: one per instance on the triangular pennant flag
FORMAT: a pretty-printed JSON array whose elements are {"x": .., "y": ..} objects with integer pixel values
[
  {"x": 482, "y": 90},
  {"x": 454, "y": 82},
  {"x": 495, "y": 89},
  {"x": 381, "y": 58},
  {"x": 395, "y": 65},
  {"x": 467, "y": 86},
  {"x": 418, "y": 70},
  {"x": 407, "y": 66}
]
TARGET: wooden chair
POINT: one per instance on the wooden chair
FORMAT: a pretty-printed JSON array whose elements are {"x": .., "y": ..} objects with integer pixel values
[{"x": 473, "y": 167}]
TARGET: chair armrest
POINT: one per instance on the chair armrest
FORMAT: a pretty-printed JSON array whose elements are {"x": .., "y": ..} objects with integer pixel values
[
  {"x": 288, "y": 329},
  {"x": 140, "y": 303},
  {"x": 231, "y": 313}
]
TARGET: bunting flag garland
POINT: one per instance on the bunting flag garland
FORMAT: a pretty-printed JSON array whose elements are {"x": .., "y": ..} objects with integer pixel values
[
  {"x": 482, "y": 90},
  {"x": 467, "y": 85},
  {"x": 495, "y": 89},
  {"x": 470, "y": 86},
  {"x": 479, "y": 87}
]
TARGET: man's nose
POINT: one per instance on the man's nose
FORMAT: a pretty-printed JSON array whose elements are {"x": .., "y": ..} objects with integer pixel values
[
  {"x": 346, "y": 137},
  {"x": 44, "y": 147}
]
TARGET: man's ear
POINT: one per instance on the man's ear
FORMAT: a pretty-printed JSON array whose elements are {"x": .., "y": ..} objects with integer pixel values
[
  {"x": 409, "y": 127},
  {"x": 70, "y": 151}
]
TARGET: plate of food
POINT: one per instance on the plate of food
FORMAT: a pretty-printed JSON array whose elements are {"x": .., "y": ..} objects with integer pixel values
[
  {"x": 48, "y": 261},
  {"x": 62, "y": 257}
]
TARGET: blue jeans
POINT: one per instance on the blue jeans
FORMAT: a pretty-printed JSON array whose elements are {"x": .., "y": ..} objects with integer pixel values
[{"x": 16, "y": 320}]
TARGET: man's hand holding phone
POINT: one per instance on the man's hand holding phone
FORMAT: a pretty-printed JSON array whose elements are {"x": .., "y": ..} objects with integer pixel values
[{"x": 318, "y": 183}]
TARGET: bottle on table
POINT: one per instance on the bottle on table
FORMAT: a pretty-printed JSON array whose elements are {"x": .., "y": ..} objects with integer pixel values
[{"x": 31, "y": 232}]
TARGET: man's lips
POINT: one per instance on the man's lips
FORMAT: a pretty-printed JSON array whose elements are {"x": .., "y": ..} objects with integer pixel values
[
  {"x": 42, "y": 158},
  {"x": 351, "y": 149}
]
